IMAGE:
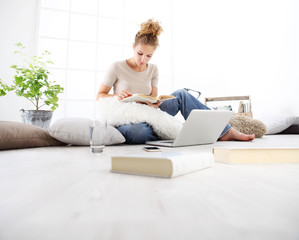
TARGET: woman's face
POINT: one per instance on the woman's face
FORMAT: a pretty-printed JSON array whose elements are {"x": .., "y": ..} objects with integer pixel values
[{"x": 143, "y": 54}]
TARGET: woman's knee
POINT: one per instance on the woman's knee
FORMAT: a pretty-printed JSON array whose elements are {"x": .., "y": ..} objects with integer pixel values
[{"x": 180, "y": 92}]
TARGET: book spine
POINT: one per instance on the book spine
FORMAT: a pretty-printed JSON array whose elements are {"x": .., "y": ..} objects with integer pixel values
[
  {"x": 240, "y": 107},
  {"x": 191, "y": 163}
]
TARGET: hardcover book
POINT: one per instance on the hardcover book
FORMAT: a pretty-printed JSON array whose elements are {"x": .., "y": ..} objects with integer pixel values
[
  {"x": 256, "y": 155},
  {"x": 162, "y": 164}
]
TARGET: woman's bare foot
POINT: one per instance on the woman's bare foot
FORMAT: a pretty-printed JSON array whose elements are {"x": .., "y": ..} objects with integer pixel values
[{"x": 234, "y": 134}]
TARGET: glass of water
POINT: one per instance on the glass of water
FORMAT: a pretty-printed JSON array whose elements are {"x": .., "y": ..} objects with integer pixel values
[{"x": 97, "y": 135}]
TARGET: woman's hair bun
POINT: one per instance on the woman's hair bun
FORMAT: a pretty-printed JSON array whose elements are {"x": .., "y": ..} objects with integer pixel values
[{"x": 150, "y": 27}]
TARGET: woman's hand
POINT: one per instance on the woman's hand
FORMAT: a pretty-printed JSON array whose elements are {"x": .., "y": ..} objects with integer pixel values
[
  {"x": 154, "y": 105},
  {"x": 124, "y": 94}
]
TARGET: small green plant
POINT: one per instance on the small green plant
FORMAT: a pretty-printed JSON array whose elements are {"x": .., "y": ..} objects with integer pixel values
[{"x": 31, "y": 81}]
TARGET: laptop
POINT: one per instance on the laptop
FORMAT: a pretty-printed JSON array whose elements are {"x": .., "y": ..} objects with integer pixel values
[{"x": 201, "y": 127}]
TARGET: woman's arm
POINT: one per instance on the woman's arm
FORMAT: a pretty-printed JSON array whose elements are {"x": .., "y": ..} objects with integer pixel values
[
  {"x": 104, "y": 92},
  {"x": 154, "y": 92}
]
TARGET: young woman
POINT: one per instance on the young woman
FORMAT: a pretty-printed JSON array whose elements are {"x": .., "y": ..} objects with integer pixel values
[{"x": 137, "y": 75}]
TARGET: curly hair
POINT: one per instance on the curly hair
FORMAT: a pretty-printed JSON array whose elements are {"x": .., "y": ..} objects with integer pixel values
[{"x": 149, "y": 33}]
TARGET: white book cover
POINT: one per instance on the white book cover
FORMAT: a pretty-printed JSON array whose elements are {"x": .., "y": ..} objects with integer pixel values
[{"x": 162, "y": 164}]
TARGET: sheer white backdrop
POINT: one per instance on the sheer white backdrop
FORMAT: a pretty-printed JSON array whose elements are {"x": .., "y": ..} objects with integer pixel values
[
  {"x": 85, "y": 37},
  {"x": 221, "y": 48}
]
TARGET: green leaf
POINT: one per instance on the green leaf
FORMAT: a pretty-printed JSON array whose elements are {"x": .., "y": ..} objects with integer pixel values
[
  {"x": 18, "y": 80},
  {"x": 2, "y": 93}
]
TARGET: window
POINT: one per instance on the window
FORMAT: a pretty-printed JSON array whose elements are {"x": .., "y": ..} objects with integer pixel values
[{"x": 85, "y": 37}]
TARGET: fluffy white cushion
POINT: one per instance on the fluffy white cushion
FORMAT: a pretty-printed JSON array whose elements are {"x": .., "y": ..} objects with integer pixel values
[
  {"x": 76, "y": 131},
  {"x": 276, "y": 123},
  {"x": 117, "y": 113}
]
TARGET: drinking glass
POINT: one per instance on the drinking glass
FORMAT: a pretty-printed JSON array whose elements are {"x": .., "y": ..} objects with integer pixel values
[{"x": 97, "y": 134}]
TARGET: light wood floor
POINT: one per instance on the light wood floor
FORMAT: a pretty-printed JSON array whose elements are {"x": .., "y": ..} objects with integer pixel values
[{"x": 68, "y": 193}]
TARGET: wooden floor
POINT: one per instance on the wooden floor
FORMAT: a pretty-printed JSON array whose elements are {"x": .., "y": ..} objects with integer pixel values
[{"x": 68, "y": 193}]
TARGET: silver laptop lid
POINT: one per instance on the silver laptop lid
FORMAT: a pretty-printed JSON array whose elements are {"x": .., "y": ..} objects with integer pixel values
[{"x": 202, "y": 127}]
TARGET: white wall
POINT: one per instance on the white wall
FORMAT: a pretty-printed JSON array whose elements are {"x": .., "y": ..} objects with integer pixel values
[
  {"x": 17, "y": 20},
  {"x": 221, "y": 48},
  {"x": 234, "y": 47}
]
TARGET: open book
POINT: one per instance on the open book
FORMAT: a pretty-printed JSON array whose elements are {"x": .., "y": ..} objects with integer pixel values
[{"x": 146, "y": 98}]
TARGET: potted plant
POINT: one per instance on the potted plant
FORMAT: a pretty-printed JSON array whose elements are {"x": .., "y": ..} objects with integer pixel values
[{"x": 31, "y": 81}]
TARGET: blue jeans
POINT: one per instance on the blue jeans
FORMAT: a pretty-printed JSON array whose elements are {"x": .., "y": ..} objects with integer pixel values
[{"x": 184, "y": 102}]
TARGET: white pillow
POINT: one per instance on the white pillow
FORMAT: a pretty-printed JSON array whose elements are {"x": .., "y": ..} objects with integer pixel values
[
  {"x": 278, "y": 122},
  {"x": 76, "y": 131}
]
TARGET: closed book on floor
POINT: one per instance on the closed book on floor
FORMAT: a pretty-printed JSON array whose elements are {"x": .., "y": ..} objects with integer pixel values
[
  {"x": 163, "y": 164},
  {"x": 256, "y": 155}
]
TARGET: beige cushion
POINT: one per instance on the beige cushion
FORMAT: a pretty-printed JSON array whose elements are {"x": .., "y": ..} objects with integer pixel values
[
  {"x": 248, "y": 125},
  {"x": 15, "y": 135}
]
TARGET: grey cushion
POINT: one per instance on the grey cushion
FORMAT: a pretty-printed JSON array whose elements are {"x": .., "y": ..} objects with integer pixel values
[
  {"x": 75, "y": 131},
  {"x": 277, "y": 123},
  {"x": 293, "y": 129}
]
